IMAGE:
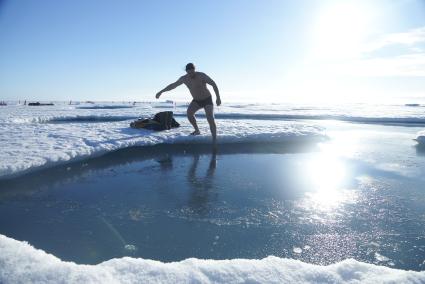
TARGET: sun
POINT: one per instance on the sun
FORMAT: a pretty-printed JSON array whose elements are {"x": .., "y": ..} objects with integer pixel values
[{"x": 340, "y": 29}]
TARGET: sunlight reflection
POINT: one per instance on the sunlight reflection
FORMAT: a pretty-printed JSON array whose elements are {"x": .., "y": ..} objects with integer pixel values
[
  {"x": 326, "y": 175},
  {"x": 326, "y": 172},
  {"x": 344, "y": 144}
]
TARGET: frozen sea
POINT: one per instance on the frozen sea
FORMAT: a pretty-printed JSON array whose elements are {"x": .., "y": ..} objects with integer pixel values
[{"x": 295, "y": 193}]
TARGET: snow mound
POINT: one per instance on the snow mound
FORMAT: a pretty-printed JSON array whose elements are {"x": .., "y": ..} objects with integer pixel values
[
  {"x": 22, "y": 263},
  {"x": 421, "y": 137}
]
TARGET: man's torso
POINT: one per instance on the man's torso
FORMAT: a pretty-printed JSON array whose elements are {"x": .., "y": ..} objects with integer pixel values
[{"x": 197, "y": 85}]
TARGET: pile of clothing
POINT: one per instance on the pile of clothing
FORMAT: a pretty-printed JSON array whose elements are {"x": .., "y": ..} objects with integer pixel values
[{"x": 161, "y": 121}]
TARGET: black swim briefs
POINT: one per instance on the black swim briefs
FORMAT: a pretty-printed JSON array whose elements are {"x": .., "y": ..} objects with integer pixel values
[{"x": 204, "y": 102}]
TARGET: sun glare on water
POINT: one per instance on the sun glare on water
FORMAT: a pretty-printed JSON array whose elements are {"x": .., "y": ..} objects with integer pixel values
[{"x": 328, "y": 174}]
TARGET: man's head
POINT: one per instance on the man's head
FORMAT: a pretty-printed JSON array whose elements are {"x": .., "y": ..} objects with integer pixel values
[{"x": 190, "y": 69}]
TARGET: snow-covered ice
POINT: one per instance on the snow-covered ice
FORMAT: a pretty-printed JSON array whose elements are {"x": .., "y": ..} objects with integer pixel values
[
  {"x": 421, "y": 137},
  {"x": 22, "y": 263},
  {"x": 32, "y": 138}
]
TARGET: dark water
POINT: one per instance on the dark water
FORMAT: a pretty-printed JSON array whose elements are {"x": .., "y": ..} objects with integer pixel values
[{"x": 247, "y": 201}]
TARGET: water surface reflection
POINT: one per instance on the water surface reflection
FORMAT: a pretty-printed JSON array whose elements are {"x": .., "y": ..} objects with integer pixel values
[{"x": 171, "y": 203}]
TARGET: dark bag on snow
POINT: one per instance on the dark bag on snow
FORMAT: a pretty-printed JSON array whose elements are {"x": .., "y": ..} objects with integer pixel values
[{"x": 161, "y": 121}]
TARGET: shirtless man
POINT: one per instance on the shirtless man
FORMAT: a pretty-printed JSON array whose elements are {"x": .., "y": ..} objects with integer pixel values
[{"x": 197, "y": 84}]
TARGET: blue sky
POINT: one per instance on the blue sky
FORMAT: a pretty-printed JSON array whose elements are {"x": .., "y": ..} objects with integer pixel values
[{"x": 301, "y": 50}]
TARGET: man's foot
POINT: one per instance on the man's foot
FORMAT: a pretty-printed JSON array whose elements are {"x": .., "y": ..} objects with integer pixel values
[{"x": 196, "y": 132}]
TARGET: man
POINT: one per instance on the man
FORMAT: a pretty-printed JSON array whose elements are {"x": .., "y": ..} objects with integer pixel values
[{"x": 197, "y": 85}]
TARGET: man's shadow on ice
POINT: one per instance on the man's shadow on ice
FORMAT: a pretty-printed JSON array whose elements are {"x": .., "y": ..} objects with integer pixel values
[{"x": 200, "y": 191}]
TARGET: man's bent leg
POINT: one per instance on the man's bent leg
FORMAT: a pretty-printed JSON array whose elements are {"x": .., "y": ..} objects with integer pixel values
[
  {"x": 209, "y": 112},
  {"x": 193, "y": 107}
]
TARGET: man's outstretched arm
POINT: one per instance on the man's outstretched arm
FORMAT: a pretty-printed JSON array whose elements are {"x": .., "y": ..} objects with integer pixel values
[
  {"x": 170, "y": 87},
  {"x": 214, "y": 85}
]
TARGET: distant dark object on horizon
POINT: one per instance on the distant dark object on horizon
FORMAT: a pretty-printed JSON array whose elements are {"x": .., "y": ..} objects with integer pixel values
[
  {"x": 412, "y": 105},
  {"x": 40, "y": 104},
  {"x": 2, "y": 103}
]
